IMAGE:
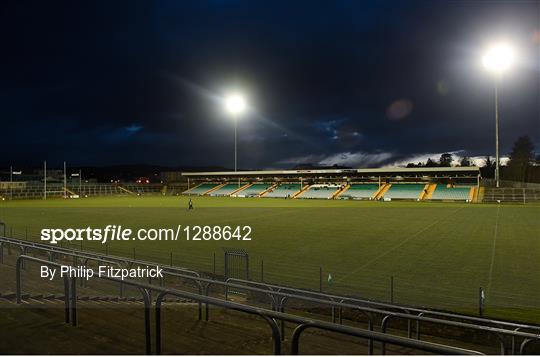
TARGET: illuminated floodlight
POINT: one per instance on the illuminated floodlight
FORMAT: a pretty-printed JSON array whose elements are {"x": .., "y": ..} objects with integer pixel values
[
  {"x": 235, "y": 104},
  {"x": 498, "y": 58}
]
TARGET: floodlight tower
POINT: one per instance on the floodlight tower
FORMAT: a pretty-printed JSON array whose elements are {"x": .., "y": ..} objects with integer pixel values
[
  {"x": 235, "y": 105},
  {"x": 497, "y": 60}
]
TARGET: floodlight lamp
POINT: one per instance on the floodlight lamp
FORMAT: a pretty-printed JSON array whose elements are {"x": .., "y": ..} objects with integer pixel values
[
  {"x": 498, "y": 58},
  {"x": 235, "y": 104}
]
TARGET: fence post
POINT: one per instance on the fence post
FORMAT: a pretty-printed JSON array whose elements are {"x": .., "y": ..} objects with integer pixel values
[
  {"x": 247, "y": 268},
  {"x": 320, "y": 279},
  {"x": 392, "y": 289},
  {"x": 481, "y": 298},
  {"x": 226, "y": 268},
  {"x": 25, "y": 233},
  {"x": 262, "y": 270}
]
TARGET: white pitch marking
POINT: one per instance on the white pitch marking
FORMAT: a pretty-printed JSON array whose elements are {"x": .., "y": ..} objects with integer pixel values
[{"x": 493, "y": 250}]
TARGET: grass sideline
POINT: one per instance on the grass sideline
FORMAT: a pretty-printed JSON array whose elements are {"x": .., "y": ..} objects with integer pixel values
[{"x": 438, "y": 253}]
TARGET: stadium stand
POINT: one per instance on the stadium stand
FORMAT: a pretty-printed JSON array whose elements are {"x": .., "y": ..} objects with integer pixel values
[
  {"x": 370, "y": 183},
  {"x": 320, "y": 191},
  {"x": 404, "y": 191},
  {"x": 226, "y": 190},
  {"x": 254, "y": 190},
  {"x": 443, "y": 192},
  {"x": 360, "y": 191},
  {"x": 286, "y": 190},
  {"x": 201, "y": 189}
]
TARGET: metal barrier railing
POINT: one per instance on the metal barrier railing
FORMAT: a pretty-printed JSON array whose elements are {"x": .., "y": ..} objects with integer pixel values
[
  {"x": 126, "y": 260},
  {"x": 386, "y": 315},
  {"x": 512, "y": 326},
  {"x": 204, "y": 284},
  {"x": 269, "y": 316},
  {"x": 411, "y": 309},
  {"x": 279, "y": 305}
]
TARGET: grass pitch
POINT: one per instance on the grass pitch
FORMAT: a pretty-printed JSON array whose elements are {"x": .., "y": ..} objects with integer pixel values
[{"x": 438, "y": 253}]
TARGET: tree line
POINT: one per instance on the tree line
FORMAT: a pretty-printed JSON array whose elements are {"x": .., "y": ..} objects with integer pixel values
[{"x": 522, "y": 166}]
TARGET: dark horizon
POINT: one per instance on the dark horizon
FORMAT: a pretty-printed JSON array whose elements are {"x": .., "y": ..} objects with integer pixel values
[{"x": 360, "y": 84}]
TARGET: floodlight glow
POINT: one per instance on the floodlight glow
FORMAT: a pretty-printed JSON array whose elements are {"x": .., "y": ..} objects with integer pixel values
[
  {"x": 498, "y": 58},
  {"x": 235, "y": 104}
]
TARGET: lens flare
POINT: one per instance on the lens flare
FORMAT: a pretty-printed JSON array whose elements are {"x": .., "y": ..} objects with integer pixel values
[{"x": 399, "y": 109}]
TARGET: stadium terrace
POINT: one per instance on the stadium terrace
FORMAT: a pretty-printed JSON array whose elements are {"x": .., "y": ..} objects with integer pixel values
[{"x": 432, "y": 183}]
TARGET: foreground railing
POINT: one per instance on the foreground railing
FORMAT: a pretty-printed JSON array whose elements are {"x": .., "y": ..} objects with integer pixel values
[
  {"x": 268, "y": 315},
  {"x": 279, "y": 295},
  {"x": 279, "y": 298},
  {"x": 423, "y": 312},
  {"x": 511, "y": 326}
]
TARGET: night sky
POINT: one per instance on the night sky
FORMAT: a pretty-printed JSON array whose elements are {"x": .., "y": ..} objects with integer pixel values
[{"x": 355, "y": 83}]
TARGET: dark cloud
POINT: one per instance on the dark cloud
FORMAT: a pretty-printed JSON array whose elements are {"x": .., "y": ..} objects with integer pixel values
[{"x": 367, "y": 83}]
